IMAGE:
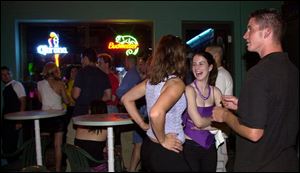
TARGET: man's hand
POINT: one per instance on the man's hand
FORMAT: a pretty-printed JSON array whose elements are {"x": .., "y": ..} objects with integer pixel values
[{"x": 230, "y": 102}]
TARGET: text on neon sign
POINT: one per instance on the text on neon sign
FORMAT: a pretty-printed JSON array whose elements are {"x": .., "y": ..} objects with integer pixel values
[
  {"x": 53, "y": 47},
  {"x": 125, "y": 42}
]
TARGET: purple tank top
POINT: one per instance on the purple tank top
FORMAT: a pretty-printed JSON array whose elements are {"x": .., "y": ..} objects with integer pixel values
[{"x": 202, "y": 137}]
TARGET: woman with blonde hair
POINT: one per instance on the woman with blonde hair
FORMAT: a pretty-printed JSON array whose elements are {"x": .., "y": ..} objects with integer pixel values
[{"x": 52, "y": 94}]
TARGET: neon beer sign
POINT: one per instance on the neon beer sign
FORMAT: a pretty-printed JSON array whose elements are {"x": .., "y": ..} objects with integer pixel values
[
  {"x": 52, "y": 48},
  {"x": 127, "y": 42}
]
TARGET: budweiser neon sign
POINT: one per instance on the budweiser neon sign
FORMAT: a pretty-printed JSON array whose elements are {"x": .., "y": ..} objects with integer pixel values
[{"x": 127, "y": 42}]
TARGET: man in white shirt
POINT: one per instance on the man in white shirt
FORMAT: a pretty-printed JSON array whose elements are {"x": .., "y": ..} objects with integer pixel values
[
  {"x": 225, "y": 84},
  {"x": 14, "y": 100}
]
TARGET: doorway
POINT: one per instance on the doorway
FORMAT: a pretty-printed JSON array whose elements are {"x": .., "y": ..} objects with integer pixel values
[{"x": 223, "y": 35}]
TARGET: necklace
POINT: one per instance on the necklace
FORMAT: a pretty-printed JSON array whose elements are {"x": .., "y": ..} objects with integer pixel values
[{"x": 200, "y": 94}]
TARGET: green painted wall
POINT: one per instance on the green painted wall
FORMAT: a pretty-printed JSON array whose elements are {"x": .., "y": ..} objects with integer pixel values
[{"x": 166, "y": 16}]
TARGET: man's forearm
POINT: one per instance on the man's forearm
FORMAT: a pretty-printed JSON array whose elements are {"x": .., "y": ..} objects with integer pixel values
[{"x": 244, "y": 131}]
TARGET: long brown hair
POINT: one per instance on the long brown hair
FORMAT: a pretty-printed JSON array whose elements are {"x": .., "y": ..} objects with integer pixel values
[{"x": 168, "y": 59}]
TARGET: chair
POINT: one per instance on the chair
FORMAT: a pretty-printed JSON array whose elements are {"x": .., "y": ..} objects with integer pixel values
[
  {"x": 27, "y": 152},
  {"x": 78, "y": 158},
  {"x": 119, "y": 163}
]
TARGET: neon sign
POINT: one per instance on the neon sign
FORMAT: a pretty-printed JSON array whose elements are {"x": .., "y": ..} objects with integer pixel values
[
  {"x": 201, "y": 38},
  {"x": 53, "y": 47},
  {"x": 125, "y": 42}
]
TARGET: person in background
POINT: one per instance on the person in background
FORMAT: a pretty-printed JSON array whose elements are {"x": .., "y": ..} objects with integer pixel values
[
  {"x": 52, "y": 94},
  {"x": 93, "y": 140},
  {"x": 138, "y": 133},
  {"x": 135, "y": 73},
  {"x": 200, "y": 147},
  {"x": 90, "y": 84},
  {"x": 131, "y": 78},
  {"x": 70, "y": 83},
  {"x": 268, "y": 107},
  {"x": 224, "y": 80},
  {"x": 14, "y": 100},
  {"x": 105, "y": 64},
  {"x": 164, "y": 91},
  {"x": 225, "y": 84}
]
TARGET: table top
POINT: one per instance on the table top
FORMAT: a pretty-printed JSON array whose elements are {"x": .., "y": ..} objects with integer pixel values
[
  {"x": 36, "y": 114},
  {"x": 110, "y": 119}
]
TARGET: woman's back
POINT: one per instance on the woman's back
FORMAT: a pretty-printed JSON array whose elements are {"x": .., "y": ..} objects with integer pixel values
[{"x": 173, "y": 116}]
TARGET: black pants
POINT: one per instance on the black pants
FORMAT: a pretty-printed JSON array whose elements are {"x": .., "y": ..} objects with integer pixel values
[
  {"x": 156, "y": 158},
  {"x": 94, "y": 148},
  {"x": 9, "y": 139},
  {"x": 199, "y": 158}
]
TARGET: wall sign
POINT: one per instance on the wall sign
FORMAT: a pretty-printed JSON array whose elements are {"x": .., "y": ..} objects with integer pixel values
[
  {"x": 127, "y": 42},
  {"x": 52, "y": 48}
]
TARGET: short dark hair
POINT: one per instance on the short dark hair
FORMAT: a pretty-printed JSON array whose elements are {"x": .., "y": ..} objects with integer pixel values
[
  {"x": 216, "y": 48},
  {"x": 97, "y": 107},
  {"x": 5, "y": 68},
  {"x": 90, "y": 53},
  {"x": 106, "y": 58},
  {"x": 270, "y": 18},
  {"x": 69, "y": 68}
]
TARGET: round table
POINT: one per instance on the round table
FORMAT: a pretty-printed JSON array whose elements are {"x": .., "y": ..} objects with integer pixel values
[
  {"x": 109, "y": 120},
  {"x": 35, "y": 115}
]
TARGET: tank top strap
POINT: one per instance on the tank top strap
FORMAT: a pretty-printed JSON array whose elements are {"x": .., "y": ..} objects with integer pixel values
[
  {"x": 170, "y": 77},
  {"x": 166, "y": 79}
]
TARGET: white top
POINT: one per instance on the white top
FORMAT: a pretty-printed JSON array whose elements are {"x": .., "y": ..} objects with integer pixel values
[
  {"x": 225, "y": 84},
  {"x": 224, "y": 81},
  {"x": 50, "y": 99},
  {"x": 18, "y": 88},
  {"x": 110, "y": 119}
]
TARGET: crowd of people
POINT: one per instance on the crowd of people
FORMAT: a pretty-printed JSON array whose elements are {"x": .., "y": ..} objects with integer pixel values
[{"x": 179, "y": 126}]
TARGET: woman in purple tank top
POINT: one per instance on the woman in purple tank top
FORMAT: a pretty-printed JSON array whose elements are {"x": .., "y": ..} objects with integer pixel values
[
  {"x": 199, "y": 148},
  {"x": 164, "y": 90}
]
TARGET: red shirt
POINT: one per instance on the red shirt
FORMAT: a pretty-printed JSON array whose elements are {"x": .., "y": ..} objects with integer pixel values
[{"x": 114, "y": 82}]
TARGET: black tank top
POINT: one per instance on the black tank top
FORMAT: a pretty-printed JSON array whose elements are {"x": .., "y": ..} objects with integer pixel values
[{"x": 11, "y": 102}]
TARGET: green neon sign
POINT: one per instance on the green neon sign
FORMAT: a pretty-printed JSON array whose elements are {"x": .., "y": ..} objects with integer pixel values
[{"x": 125, "y": 42}]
